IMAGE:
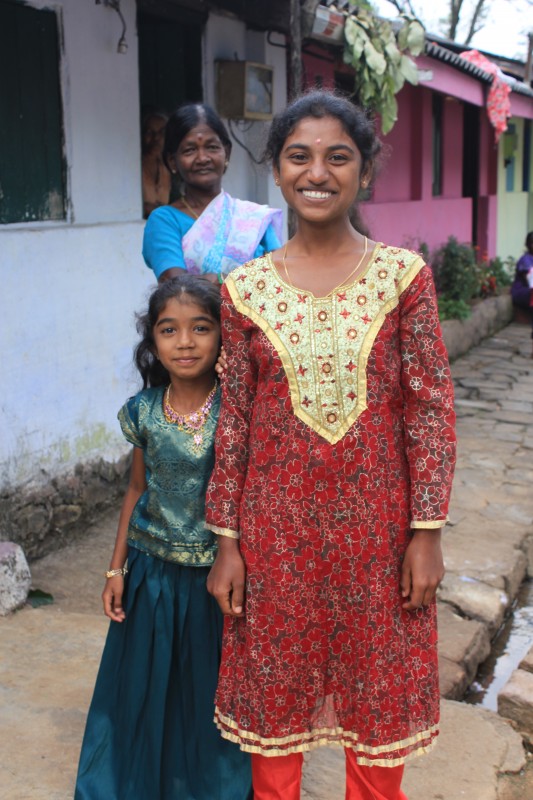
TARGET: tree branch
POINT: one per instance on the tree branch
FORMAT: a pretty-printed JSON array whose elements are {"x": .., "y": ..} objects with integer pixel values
[
  {"x": 455, "y": 15},
  {"x": 478, "y": 14}
]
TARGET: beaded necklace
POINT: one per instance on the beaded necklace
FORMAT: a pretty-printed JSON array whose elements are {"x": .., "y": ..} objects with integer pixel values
[{"x": 192, "y": 424}]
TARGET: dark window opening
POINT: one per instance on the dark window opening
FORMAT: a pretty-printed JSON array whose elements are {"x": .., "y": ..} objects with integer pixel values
[
  {"x": 526, "y": 169},
  {"x": 437, "y": 144},
  {"x": 471, "y": 149},
  {"x": 32, "y": 169}
]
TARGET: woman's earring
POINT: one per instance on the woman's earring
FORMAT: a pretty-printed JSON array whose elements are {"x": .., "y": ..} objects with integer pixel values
[{"x": 276, "y": 181}]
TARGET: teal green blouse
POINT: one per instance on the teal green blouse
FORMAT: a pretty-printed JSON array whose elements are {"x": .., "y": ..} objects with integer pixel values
[{"x": 168, "y": 519}]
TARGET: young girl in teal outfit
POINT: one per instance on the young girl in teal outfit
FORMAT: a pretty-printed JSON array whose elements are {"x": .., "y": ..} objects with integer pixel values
[{"x": 150, "y": 733}]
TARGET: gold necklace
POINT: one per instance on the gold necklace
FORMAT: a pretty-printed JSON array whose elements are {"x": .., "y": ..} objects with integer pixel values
[
  {"x": 188, "y": 207},
  {"x": 194, "y": 423},
  {"x": 336, "y": 288}
]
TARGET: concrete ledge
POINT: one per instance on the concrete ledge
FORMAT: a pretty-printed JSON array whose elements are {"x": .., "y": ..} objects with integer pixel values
[{"x": 487, "y": 317}]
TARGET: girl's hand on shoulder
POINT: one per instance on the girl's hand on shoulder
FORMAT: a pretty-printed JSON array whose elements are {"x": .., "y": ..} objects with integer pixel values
[
  {"x": 227, "y": 577},
  {"x": 112, "y": 598},
  {"x": 221, "y": 365},
  {"x": 422, "y": 569}
]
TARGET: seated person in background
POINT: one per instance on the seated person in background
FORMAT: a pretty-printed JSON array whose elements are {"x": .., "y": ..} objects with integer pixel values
[
  {"x": 156, "y": 178},
  {"x": 205, "y": 231},
  {"x": 523, "y": 281}
]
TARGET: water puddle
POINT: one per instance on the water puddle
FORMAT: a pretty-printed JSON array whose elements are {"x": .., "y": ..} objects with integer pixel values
[{"x": 508, "y": 649}]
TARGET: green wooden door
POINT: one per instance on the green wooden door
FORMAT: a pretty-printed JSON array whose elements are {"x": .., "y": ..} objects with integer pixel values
[{"x": 32, "y": 185}]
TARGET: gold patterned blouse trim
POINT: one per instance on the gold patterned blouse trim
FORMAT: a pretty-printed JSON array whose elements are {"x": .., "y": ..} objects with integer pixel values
[
  {"x": 433, "y": 525},
  {"x": 290, "y": 371},
  {"x": 224, "y": 722},
  {"x": 337, "y": 288},
  {"x": 328, "y": 742},
  {"x": 228, "y": 532}
]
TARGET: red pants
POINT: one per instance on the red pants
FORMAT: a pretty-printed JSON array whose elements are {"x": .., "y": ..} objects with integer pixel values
[{"x": 279, "y": 778}]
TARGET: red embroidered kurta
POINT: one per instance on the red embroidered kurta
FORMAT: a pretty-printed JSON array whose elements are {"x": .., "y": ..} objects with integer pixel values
[{"x": 335, "y": 439}]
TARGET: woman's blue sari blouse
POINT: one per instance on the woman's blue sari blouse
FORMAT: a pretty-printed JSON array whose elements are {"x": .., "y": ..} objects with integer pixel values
[{"x": 168, "y": 519}]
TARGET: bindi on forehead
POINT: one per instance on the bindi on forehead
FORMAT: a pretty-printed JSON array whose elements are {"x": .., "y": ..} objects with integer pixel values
[{"x": 317, "y": 141}]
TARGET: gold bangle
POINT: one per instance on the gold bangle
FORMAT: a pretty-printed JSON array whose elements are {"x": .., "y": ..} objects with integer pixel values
[{"x": 112, "y": 572}]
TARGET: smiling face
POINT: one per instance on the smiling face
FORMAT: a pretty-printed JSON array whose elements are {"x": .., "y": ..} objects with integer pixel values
[
  {"x": 200, "y": 158},
  {"x": 187, "y": 339},
  {"x": 319, "y": 170}
]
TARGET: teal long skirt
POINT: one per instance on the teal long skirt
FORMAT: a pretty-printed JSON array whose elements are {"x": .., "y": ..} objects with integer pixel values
[{"x": 150, "y": 733}]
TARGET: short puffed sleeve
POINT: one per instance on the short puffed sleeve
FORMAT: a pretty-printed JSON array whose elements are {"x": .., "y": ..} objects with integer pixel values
[{"x": 128, "y": 416}]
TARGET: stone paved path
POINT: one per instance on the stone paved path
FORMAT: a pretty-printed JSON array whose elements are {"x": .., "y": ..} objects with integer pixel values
[{"x": 49, "y": 655}]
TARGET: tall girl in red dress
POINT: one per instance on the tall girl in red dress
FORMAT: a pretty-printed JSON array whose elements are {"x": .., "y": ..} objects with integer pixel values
[{"x": 334, "y": 459}]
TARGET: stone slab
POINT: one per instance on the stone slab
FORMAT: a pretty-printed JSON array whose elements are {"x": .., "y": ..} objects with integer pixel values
[
  {"x": 527, "y": 661},
  {"x": 493, "y": 561},
  {"x": 475, "y": 599},
  {"x": 515, "y": 701},
  {"x": 464, "y": 642}
]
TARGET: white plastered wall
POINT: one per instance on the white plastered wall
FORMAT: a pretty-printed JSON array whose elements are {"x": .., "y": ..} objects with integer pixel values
[{"x": 69, "y": 289}]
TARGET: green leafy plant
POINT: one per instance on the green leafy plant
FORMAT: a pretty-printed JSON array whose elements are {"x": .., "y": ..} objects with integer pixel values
[
  {"x": 381, "y": 58},
  {"x": 455, "y": 271},
  {"x": 494, "y": 275},
  {"x": 453, "y": 309}
]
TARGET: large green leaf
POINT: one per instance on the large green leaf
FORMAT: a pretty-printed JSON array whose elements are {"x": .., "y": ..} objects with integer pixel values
[
  {"x": 416, "y": 38},
  {"x": 356, "y": 38},
  {"x": 389, "y": 113},
  {"x": 376, "y": 61},
  {"x": 392, "y": 52},
  {"x": 398, "y": 80},
  {"x": 408, "y": 69}
]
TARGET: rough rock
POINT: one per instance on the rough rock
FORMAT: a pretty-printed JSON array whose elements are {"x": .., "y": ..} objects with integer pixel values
[
  {"x": 527, "y": 661},
  {"x": 515, "y": 701},
  {"x": 15, "y": 577},
  {"x": 464, "y": 643},
  {"x": 475, "y": 599}
]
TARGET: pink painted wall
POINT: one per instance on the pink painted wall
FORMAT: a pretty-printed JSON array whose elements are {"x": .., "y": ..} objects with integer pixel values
[
  {"x": 406, "y": 172},
  {"x": 448, "y": 80},
  {"x": 403, "y": 210},
  {"x": 521, "y": 106},
  {"x": 407, "y": 224}
]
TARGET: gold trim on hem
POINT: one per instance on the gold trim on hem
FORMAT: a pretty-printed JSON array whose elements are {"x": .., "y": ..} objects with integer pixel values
[
  {"x": 320, "y": 737},
  {"x": 433, "y": 525},
  {"x": 227, "y": 722},
  {"x": 223, "y": 531}
]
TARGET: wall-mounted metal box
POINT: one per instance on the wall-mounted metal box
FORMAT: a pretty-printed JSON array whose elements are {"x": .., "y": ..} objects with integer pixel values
[{"x": 244, "y": 90}]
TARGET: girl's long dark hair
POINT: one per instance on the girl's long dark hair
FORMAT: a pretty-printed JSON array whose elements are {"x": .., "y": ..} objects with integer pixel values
[{"x": 200, "y": 291}]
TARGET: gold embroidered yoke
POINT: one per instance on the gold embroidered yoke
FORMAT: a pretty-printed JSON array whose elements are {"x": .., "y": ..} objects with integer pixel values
[{"x": 324, "y": 342}]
